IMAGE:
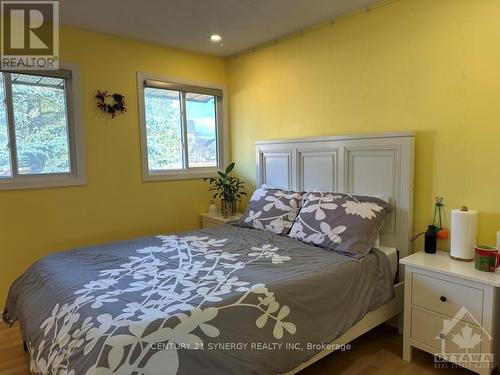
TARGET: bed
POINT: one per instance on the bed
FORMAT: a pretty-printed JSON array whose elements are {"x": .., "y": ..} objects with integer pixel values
[{"x": 227, "y": 299}]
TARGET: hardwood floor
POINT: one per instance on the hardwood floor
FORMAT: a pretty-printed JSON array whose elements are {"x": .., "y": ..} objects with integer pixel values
[
  {"x": 13, "y": 359},
  {"x": 379, "y": 352},
  {"x": 376, "y": 353}
]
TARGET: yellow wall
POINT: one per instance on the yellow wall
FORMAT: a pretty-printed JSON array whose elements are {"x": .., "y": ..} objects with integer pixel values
[
  {"x": 115, "y": 204},
  {"x": 427, "y": 65}
]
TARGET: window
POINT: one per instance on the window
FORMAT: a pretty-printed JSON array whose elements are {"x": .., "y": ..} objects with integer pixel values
[
  {"x": 182, "y": 129},
  {"x": 38, "y": 133}
]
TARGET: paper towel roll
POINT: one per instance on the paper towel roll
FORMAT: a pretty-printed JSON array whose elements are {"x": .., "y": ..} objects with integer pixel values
[{"x": 463, "y": 234}]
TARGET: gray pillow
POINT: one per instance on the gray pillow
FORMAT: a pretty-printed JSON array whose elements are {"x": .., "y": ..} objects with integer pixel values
[
  {"x": 273, "y": 210},
  {"x": 341, "y": 222}
]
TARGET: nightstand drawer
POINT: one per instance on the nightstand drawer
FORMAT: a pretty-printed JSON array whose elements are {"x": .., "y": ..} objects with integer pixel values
[
  {"x": 426, "y": 328},
  {"x": 446, "y": 297},
  {"x": 207, "y": 223}
]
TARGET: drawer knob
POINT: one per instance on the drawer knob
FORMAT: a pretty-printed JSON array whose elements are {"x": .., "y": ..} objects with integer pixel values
[
  {"x": 442, "y": 336},
  {"x": 442, "y": 298}
]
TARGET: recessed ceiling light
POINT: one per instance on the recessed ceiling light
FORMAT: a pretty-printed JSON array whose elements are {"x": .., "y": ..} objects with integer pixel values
[{"x": 215, "y": 38}]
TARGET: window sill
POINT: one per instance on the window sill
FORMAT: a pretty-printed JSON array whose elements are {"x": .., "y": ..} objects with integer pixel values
[
  {"x": 179, "y": 175},
  {"x": 40, "y": 182}
]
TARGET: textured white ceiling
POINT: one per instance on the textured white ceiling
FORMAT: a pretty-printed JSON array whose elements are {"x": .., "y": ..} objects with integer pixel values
[{"x": 188, "y": 24}]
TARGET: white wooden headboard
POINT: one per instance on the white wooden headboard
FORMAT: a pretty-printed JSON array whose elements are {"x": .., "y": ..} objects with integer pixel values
[{"x": 375, "y": 164}]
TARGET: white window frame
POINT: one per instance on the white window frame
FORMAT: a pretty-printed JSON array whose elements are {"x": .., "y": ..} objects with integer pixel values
[
  {"x": 222, "y": 132},
  {"x": 77, "y": 174}
]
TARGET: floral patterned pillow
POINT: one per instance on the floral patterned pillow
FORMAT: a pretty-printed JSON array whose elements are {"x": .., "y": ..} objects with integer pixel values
[
  {"x": 341, "y": 222},
  {"x": 273, "y": 210}
]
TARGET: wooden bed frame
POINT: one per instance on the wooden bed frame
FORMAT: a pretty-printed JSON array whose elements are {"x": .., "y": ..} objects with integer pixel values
[{"x": 374, "y": 164}]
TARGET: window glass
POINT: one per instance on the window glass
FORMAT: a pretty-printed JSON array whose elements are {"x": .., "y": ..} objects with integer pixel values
[
  {"x": 41, "y": 125},
  {"x": 5, "y": 168},
  {"x": 180, "y": 130},
  {"x": 163, "y": 128},
  {"x": 201, "y": 130}
]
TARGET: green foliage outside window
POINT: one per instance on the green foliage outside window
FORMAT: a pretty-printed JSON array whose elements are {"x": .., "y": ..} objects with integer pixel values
[{"x": 40, "y": 129}]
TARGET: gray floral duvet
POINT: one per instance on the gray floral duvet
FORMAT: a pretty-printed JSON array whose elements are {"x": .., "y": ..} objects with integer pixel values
[{"x": 225, "y": 300}]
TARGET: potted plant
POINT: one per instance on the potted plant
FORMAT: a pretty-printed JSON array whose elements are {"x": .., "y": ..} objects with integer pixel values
[{"x": 229, "y": 189}]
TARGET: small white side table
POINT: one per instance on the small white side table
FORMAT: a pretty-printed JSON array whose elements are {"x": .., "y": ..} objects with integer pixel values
[
  {"x": 452, "y": 311},
  {"x": 213, "y": 221}
]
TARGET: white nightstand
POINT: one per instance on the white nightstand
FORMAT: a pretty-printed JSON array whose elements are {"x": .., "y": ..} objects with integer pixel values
[
  {"x": 212, "y": 221},
  {"x": 451, "y": 310}
]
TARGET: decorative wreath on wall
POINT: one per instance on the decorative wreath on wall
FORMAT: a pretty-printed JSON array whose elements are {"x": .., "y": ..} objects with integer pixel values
[{"x": 118, "y": 105}]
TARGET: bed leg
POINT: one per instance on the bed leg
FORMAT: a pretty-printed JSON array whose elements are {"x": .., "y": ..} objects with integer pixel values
[
  {"x": 25, "y": 347},
  {"x": 401, "y": 323}
]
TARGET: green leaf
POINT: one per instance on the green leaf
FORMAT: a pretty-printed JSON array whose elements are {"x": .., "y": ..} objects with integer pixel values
[
  {"x": 230, "y": 167},
  {"x": 226, "y": 187}
]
